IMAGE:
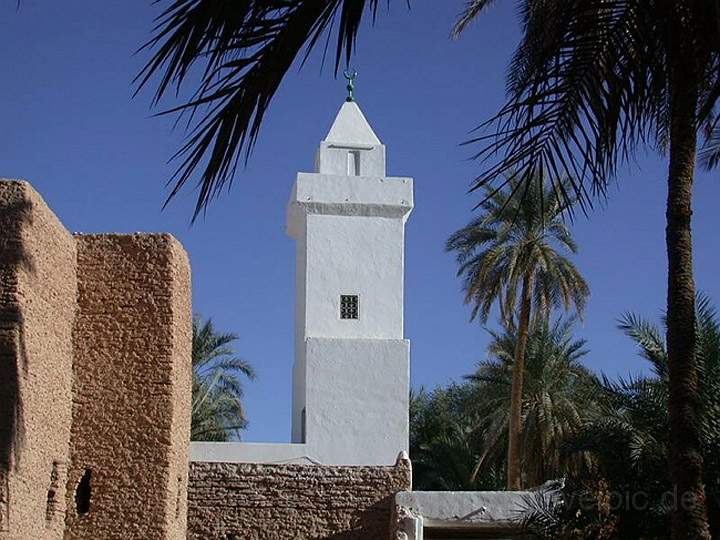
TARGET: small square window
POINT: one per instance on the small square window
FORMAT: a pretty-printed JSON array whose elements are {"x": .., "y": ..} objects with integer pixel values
[{"x": 348, "y": 306}]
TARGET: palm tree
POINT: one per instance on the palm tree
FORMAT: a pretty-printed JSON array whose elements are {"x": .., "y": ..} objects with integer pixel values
[
  {"x": 443, "y": 443},
  {"x": 628, "y": 436},
  {"x": 558, "y": 398},
  {"x": 217, "y": 410},
  {"x": 512, "y": 256},
  {"x": 590, "y": 81}
]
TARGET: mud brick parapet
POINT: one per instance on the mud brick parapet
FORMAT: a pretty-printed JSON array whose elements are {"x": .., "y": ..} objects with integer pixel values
[
  {"x": 244, "y": 501},
  {"x": 131, "y": 412},
  {"x": 37, "y": 306}
]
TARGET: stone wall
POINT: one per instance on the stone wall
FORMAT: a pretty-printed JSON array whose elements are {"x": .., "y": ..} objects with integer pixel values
[
  {"x": 37, "y": 305},
  {"x": 243, "y": 501},
  {"x": 131, "y": 403}
]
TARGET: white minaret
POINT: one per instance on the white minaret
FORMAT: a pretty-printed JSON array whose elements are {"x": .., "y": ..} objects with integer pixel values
[{"x": 351, "y": 371}]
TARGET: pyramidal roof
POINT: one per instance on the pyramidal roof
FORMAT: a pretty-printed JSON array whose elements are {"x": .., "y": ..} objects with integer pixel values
[{"x": 351, "y": 126}]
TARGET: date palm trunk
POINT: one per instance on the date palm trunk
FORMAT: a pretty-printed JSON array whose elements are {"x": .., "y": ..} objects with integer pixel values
[
  {"x": 689, "y": 518},
  {"x": 514, "y": 465}
]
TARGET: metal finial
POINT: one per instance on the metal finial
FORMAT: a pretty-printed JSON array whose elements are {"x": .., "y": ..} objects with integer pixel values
[{"x": 350, "y": 75}]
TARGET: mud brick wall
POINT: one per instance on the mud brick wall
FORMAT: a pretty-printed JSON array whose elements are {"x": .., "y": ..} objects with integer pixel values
[
  {"x": 37, "y": 305},
  {"x": 244, "y": 501},
  {"x": 131, "y": 408}
]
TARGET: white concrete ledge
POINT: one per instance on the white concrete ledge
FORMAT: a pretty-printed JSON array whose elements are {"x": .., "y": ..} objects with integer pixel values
[
  {"x": 383, "y": 191},
  {"x": 314, "y": 193},
  {"x": 243, "y": 452},
  {"x": 469, "y": 508}
]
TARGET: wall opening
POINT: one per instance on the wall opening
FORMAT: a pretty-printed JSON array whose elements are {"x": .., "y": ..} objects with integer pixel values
[
  {"x": 83, "y": 492},
  {"x": 353, "y": 163},
  {"x": 52, "y": 505},
  {"x": 303, "y": 426}
]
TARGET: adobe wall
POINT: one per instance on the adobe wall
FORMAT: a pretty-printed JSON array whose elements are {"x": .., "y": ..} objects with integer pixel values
[
  {"x": 131, "y": 405},
  {"x": 37, "y": 305},
  {"x": 247, "y": 501}
]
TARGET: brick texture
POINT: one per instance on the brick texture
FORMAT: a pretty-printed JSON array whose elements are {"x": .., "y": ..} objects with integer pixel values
[
  {"x": 37, "y": 305},
  {"x": 131, "y": 402},
  {"x": 231, "y": 501}
]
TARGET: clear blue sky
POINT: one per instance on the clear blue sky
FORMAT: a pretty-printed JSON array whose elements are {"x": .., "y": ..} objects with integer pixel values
[{"x": 68, "y": 124}]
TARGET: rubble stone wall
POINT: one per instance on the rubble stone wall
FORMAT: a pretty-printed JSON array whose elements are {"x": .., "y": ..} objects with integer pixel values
[
  {"x": 234, "y": 501},
  {"x": 37, "y": 306},
  {"x": 131, "y": 403}
]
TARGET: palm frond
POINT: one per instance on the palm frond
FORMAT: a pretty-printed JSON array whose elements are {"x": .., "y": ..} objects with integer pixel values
[
  {"x": 710, "y": 153},
  {"x": 473, "y": 9},
  {"x": 582, "y": 92},
  {"x": 558, "y": 397},
  {"x": 513, "y": 238},
  {"x": 217, "y": 409},
  {"x": 241, "y": 52}
]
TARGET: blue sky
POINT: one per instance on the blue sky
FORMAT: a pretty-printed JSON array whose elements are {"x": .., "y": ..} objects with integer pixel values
[{"x": 69, "y": 125}]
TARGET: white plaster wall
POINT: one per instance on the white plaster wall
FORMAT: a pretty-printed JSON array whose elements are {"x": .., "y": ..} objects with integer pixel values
[
  {"x": 312, "y": 193},
  {"x": 350, "y": 240},
  {"x": 359, "y": 256},
  {"x": 357, "y": 400},
  {"x": 357, "y": 408},
  {"x": 351, "y": 195}
]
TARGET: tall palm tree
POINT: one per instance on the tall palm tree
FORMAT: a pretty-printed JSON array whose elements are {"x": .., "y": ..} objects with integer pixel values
[
  {"x": 590, "y": 81},
  {"x": 512, "y": 256},
  {"x": 558, "y": 398},
  {"x": 217, "y": 410}
]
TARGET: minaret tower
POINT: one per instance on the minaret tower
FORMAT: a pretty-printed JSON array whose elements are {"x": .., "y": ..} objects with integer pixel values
[{"x": 352, "y": 363}]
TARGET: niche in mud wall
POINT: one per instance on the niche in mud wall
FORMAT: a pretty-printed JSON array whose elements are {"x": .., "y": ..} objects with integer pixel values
[{"x": 83, "y": 493}]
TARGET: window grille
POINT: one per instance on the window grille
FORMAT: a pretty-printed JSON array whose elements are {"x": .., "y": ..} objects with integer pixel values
[{"x": 348, "y": 306}]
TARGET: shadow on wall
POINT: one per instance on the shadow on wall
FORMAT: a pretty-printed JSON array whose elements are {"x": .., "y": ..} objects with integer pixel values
[
  {"x": 372, "y": 522},
  {"x": 14, "y": 217}
]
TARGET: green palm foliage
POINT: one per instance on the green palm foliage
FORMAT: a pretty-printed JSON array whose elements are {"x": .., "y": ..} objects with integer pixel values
[
  {"x": 515, "y": 239},
  {"x": 628, "y": 437},
  {"x": 514, "y": 255},
  {"x": 217, "y": 410},
  {"x": 443, "y": 445},
  {"x": 558, "y": 398}
]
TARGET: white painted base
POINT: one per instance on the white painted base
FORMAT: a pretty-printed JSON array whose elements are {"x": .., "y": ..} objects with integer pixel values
[
  {"x": 356, "y": 408},
  {"x": 357, "y": 400}
]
